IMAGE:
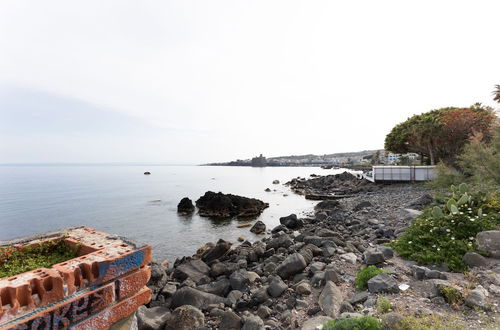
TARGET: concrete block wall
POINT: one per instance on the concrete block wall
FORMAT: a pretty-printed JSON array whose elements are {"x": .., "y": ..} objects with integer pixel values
[{"x": 106, "y": 283}]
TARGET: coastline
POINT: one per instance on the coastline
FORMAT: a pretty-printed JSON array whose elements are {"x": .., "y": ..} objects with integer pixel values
[{"x": 301, "y": 273}]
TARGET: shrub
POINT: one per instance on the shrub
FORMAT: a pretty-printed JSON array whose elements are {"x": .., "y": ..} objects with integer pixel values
[
  {"x": 451, "y": 295},
  {"x": 431, "y": 322},
  {"x": 446, "y": 176},
  {"x": 354, "y": 323},
  {"x": 365, "y": 274},
  {"x": 446, "y": 232},
  {"x": 383, "y": 305}
]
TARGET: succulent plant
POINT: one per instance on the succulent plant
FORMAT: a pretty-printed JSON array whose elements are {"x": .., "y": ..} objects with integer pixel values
[
  {"x": 454, "y": 209},
  {"x": 437, "y": 212}
]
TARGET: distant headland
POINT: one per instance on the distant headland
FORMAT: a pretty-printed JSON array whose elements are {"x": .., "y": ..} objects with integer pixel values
[{"x": 330, "y": 160}]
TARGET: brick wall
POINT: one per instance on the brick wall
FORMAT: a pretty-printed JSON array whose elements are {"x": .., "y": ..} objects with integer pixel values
[{"x": 106, "y": 283}]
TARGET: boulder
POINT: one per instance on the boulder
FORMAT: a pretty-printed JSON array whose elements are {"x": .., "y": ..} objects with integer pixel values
[
  {"x": 327, "y": 205},
  {"x": 194, "y": 297},
  {"x": 478, "y": 298},
  {"x": 219, "y": 288},
  {"x": 229, "y": 321},
  {"x": 276, "y": 287},
  {"x": 281, "y": 241},
  {"x": 383, "y": 283},
  {"x": 258, "y": 227},
  {"x": 253, "y": 323},
  {"x": 362, "y": 205},
  {"x": 373, "y": 256},
  {"x": 392, "y": 320},
  {"x": 489, "y": 241},
  {"x": 194, "y": 269},
  {"x": 421, "y": 202},
  {"x": 216, "y": 252},
  {"x": 291, "y": 222},
  {"x": 185, "y": 206},
  {"x": 330, "y": 299},
  {"x": 473, "y": 259},
  {"x": 185, "y": 318},
  {"x": 293, "y": 264},
  {"x": 153, "y": 318},
  {"x": 315, "y": 323},
  {"x": 226, "y": 205},
  {"x": 303, "y": 288},
  {"x": 240, "y": 279}
]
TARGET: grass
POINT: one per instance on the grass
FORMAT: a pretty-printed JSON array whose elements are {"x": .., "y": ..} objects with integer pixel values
[
  {"x": 431, "y": 322},
  {"x": 15, "y": 260},
  {"x": 383, "y": 305},
  {"x": 365, "y": 274}
]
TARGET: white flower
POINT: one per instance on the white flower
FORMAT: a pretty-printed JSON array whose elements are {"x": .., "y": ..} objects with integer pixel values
[
  {"x": 452, "y": 238},
  {"x": 409, "y": 242},
  {"x": 438, "y": 249},
  {"x": 472, "y": 220},
  {"x": 447, "y": 230},
  {"x": 434, "y": 246}
]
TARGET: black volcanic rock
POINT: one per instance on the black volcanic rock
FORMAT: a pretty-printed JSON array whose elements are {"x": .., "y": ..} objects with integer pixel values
[
  {"x": 185, "y": 206},
  {"x": 226, "y": 205}
]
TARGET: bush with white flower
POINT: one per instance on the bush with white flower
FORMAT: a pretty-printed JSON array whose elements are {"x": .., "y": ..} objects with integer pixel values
[{"x": 446, "y": 232}]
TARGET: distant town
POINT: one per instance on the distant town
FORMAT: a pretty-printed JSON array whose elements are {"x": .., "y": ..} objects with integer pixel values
[{"x": 346, "y": 159}]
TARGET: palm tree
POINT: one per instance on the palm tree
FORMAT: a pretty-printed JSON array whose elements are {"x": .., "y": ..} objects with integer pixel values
[{"x": 496, "y": 93}]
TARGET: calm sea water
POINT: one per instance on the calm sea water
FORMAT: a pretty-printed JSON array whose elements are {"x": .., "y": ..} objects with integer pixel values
[{"x": 122, "y": 200}]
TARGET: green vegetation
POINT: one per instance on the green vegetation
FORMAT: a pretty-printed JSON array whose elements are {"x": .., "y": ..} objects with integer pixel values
[
  {"x": 446, "y": 232},
  {"x": 15, "y": 260},
  {"x": 441, "y": 134},
  {"x": 354, "y": 323},
  {"x": 383, "y": 305},
  {"x": 365, "y": 274},
  {"x": 451, "y": 295}
]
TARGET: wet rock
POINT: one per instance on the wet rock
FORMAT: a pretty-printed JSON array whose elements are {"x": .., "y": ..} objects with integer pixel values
[
  {"x": 194, "y": 297},
  {"x": 185, "y": 318},
  {"x": 330, "y": 300},
  {"x": 185, "y": 206},
  {"x": 473, "y": 259},
  {"x": 216, "y": 252},
  {"x": 226, "y": 205},
  {"x": 152, "y": 318},
  {"x": 229, "y": 321},
  {"x": 258, "y": 227},
  {"x": 291, "y": 222},
  {"x": 276, "y": 287},
  {"x": 382, "y": 283},
  {"x": 293, "y": 264},
  {"x": 489, "y": 241},
  {"x": 195, "y": 269}
]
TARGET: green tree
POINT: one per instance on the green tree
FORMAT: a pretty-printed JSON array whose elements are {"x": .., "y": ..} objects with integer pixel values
[
  {"x": 440, "y": 134},
  {"x": 481, "y": 159}
]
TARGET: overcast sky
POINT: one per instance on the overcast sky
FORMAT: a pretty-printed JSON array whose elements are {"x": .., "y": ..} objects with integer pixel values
[{"x": 201, "y": 81}]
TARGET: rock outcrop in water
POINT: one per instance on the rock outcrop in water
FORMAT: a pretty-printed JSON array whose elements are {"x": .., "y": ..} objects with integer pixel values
[
  {"x": 185, "y": 206},
  {"x": 226, "y": 205}
]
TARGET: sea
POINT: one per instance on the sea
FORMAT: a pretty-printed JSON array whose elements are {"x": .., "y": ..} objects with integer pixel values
[{"x": 121, "y": 200}]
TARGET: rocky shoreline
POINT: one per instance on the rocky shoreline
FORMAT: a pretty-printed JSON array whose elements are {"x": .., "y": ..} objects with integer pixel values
[{"x": 301, "y": 273}]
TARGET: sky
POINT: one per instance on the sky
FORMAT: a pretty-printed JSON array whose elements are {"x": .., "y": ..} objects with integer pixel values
[{"x": 190, "y": 82}]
